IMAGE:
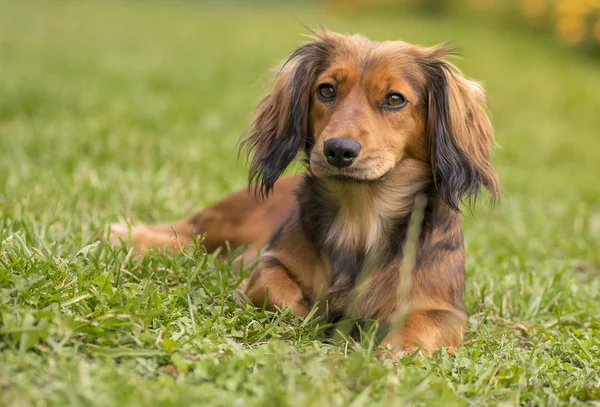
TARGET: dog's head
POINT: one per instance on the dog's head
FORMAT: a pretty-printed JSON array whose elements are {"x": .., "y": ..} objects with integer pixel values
[{"x": 357, "y": 108}]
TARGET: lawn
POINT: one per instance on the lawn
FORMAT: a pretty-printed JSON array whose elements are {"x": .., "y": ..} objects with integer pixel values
[{"x": 132, "y": 110}]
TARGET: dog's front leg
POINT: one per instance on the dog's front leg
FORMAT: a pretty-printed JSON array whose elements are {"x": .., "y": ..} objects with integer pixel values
[
  {"x": 289, "y": 272},
  {"x": 272, "y": 281},
  {"x": 428, "y": 331}
]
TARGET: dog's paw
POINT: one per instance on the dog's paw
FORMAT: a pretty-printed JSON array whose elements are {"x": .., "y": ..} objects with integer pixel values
[
  {"x": 142, "y": 237},
  {"x": 138, "y": 235},
  {"x": 116, "y": 233}
]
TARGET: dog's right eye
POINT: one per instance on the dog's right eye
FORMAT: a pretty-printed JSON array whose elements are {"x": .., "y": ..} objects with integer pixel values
[{"x": 326, "y": 92}]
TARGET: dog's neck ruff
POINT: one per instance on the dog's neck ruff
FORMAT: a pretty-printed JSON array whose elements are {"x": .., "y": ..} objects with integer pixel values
[{"x": 355, "y": 225}]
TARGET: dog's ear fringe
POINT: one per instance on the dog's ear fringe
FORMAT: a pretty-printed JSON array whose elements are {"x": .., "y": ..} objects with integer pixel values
[
  {"x": 280, "y": 126},
  {"x": 460, "y": 133}
]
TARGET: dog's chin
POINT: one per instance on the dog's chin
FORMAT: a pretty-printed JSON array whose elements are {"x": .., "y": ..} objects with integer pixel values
[
  {"x": 345, "y": 179},
  {"x": 352, "y": 175}
]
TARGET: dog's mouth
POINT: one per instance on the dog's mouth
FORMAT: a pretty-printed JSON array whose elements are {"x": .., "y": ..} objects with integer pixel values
[
  {"x": 352, "y": 174},
  {"x": 354, "y": 179}
]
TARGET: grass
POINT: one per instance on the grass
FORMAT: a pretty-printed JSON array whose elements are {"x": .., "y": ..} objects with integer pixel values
[{"x": 133, "y": 109}]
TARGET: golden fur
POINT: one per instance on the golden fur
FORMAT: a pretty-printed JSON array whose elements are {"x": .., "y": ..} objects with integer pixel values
[{"x": 409, "y": 124}]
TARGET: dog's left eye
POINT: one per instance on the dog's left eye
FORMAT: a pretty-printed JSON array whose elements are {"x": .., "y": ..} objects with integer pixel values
[
  {"x": 326, "y": 92},
  {"x": 394, "y": 100}
]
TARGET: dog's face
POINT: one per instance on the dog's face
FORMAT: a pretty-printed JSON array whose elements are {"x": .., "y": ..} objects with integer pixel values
[
  {"x": 366, "y": 113},
  {"x": 358, "y": 108}
]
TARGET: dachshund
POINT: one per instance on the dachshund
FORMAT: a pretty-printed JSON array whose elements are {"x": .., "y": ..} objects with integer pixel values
[{"x": 378, "y": 124}]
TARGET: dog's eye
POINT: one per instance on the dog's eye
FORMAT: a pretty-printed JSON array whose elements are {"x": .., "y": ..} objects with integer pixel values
[
  {"x": 326, "y": 92},
  {"x": 394, "y": 100}
]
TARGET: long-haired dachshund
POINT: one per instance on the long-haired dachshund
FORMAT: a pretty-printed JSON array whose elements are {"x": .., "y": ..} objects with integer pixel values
[{"x": 379, "y": 123}]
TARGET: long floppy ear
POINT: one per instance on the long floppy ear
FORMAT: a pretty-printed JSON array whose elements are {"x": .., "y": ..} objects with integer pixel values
[
  {"x": 459, "y": 130},
  {"x": 280, "y": 126}
]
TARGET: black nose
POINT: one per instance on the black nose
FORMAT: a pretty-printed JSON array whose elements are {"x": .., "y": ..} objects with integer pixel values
[{"x": 340, "y": 152}]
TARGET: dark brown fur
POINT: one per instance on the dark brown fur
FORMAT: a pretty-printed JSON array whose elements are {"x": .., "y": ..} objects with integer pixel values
[{"x": 337, "y": 235}]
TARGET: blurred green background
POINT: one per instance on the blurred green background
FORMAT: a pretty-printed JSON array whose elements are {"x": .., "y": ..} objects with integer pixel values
[
  {"x": 132, "y": 110},
  {"x": 184, "y": 77}
]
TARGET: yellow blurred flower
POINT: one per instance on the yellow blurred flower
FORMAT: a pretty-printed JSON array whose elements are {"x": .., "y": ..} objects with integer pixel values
[
  {"x": 593, "y": 3},
  {"x": 571, "y": 28},
  {"x": 575, "y": 21},
  {"x": 572, "y": 7},
  {"x": 597, "y": 31},
  {"x": 533, "y": 8}
]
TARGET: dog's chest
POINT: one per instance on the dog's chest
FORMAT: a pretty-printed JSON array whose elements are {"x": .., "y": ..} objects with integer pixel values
[
  {"x": 357, "y": 244},
  {"x": 360, "y": 223},
  {"x": 354, "y": 230}
]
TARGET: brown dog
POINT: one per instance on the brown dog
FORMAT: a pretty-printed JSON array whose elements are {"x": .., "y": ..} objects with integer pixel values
[{"x": 378, "y": 123}]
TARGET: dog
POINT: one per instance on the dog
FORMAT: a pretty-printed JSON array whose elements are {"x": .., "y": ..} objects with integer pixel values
[{"x": 378, "y": 124}]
